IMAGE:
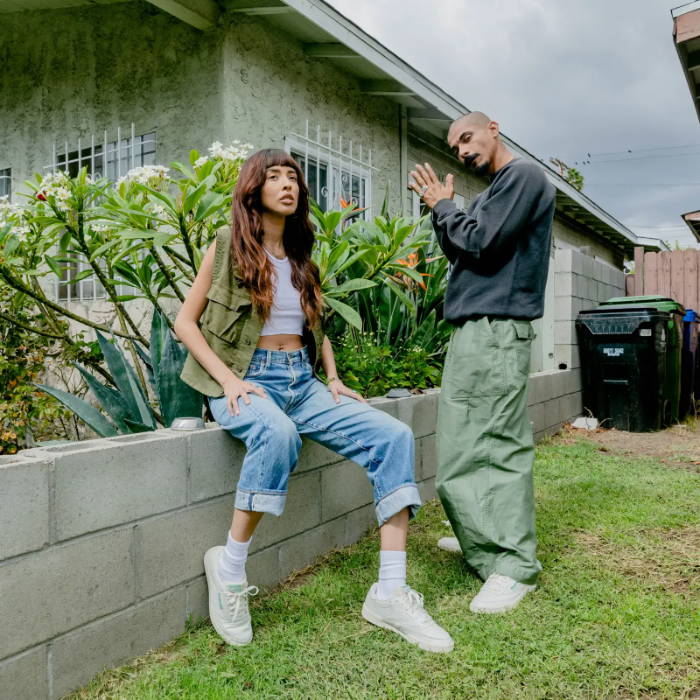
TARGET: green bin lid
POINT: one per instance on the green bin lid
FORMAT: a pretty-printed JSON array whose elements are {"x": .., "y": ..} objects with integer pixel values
[{"x": 649, "y": 301}]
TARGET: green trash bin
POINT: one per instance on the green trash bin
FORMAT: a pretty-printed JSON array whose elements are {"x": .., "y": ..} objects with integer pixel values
[{"x": 672, "y": 388}]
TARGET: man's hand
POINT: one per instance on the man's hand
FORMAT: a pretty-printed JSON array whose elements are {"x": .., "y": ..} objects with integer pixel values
[{"x": 427, "y": 186}]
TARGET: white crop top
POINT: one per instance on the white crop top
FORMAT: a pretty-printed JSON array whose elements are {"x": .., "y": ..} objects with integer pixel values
[{"x": 286, "y": 315}]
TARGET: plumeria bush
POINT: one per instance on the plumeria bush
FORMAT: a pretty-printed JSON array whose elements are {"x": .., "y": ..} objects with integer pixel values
[{"x": 143, "y": 238}]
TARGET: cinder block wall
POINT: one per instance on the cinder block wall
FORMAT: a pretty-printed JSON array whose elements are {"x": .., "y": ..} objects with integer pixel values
[
  {"x": 101, "y": 541},
  {"x": 582, "y": 282}
]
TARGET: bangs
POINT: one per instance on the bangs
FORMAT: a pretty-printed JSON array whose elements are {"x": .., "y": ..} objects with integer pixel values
[{"x": 276, "y": 156}]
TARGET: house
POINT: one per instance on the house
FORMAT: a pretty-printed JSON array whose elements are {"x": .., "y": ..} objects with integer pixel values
[
  {"x": 114, "y": 84},
  {"x": 128, "y": 83},
  {"x": 686, "y": 37}
]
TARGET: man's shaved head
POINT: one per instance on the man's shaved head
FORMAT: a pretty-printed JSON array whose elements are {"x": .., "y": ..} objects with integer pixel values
[
  {"x": 476, "y": 120},
  {"x": 473, "y": 139}
]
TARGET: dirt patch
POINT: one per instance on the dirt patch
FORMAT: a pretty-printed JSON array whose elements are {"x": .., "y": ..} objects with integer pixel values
[
  {"x": 678, "y": 446},
  {"x": 664, "y": 558}
]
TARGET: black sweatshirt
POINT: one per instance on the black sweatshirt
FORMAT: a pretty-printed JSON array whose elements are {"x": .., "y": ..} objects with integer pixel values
[{"x": 499, "y": 247}]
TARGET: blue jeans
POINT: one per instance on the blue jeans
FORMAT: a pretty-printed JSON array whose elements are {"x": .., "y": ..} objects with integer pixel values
[{"x": 299, "y": 404}]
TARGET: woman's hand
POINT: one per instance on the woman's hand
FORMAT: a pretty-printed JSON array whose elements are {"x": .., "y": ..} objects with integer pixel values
[
  {"x": 338, "y": 389},
  {"x": 235, "y": 388}
]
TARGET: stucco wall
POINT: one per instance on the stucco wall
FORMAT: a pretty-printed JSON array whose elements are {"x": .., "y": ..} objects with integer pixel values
[{"x": 113, "y": 65}]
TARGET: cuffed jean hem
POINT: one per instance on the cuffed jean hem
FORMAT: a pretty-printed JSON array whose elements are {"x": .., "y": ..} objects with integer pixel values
[
  {"x": 260, "y": 502},
  {"x": 405, "y": 496}
]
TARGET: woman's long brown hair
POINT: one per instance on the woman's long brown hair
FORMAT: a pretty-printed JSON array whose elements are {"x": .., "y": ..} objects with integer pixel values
[{"x": 247, "y": 253}]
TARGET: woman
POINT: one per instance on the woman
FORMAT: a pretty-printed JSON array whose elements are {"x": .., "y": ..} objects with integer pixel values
[{"x": 259, "y": 299}]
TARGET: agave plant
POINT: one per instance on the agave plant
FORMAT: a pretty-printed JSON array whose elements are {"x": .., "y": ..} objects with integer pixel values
[{"x": 126, "y": 403}]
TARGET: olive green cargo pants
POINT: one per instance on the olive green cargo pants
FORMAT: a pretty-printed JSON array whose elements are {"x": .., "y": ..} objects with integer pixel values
[{"x": 485, "y": 449}]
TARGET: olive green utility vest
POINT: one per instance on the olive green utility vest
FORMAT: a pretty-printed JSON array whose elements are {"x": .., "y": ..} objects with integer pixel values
[{"x": 230, "y": 325}]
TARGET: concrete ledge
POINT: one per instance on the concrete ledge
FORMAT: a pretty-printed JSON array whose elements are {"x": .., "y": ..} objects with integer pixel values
[{"x": 102, "y": 541}]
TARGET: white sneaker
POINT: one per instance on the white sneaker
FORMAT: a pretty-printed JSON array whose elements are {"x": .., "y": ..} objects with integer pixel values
[
  {"x": 449, "y": 544},
  {"x": 499, "y": 594},
  {"x": 228, "y": 603},
  {"x": 404, "y": 614}
]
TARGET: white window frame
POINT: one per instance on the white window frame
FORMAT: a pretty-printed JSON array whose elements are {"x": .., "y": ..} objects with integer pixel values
[
  {"x": 339, "y": 159},
  {"x": 6, "y": 183},
  {"x": 123, "y": 154}
]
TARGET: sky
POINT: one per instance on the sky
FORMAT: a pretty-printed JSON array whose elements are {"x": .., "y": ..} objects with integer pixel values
[{"x": 566, "y": 78}]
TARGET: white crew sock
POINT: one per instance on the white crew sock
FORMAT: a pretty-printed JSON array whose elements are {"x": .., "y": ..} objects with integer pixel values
[
  {"x": 233, "y": 559},
  {"x": 392, "y": 572}
]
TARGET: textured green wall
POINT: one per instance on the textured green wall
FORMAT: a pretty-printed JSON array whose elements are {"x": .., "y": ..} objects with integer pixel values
[{"x": 68, "y": 74}]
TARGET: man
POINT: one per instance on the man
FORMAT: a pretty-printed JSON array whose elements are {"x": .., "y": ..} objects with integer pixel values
[{"x": 499, "y": 251}]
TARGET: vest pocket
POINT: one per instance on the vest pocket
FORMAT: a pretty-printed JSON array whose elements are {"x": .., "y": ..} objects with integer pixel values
[{"x": 223, "y": 312}]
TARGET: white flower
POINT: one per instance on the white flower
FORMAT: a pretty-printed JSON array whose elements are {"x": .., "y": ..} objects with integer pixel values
[
  {"x": 56, "y": 185},
  {"x": 159, "y": 211},
  {"x": 145, "y": 174},
  {"x": 234, "y": 152}
]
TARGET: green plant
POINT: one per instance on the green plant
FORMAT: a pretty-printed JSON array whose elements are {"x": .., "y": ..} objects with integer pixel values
[
  {"x": 126, "y": 403},
  {"x": 372, "y": 369},
  {"x": 24, "y": 412}
]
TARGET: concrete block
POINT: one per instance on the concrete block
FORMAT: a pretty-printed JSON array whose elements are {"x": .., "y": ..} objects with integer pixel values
[
  {"x": 575, "y": 404},
  {"x": 578, "y": 263},
  {"x": 551, "y": 413},
  {"x": 115, "y": 483},
  {"x": 169, "y": 549},
  {"x": 215, "y": 463},
  {"x": 564, "y": 284},
  {"x": 197, "y": 601},
  {"x": 558, "y": 383},
  {"x": 389, "y": 406},
  {"x": 564, "y": 332},
  {"x": 405, "y": 410},
  {"x": 536, "y": 414},
  {"x": 427, "y": 490},
  {"x": 62, "y": 587},
  {"x": 78, "y": 656},
  {"x": 424, "y": 413},
  {"x": 563, "y": 260},
  {"x": 428, "y": 458},
  {"x": 564, "y": 308},
  {"x": 313, "y": 456},
  {"x": 302, "y": 511},
  {"x": 301, "y": 550},
  {"x": 589, "y": 267},
  {"x": 573, "y": 381},
  {"x": 263, "y": 569},
  {"x": 344, "y": 487},
  {"x": 538, "y": 387},
  {"x": 24, "y": 506},
  {"x": 25, "y": 676},
  {"x": 359, "y": 523}
]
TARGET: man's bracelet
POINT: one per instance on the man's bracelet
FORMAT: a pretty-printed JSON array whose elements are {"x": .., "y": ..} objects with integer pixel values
[{"x": 332, "y": 379}]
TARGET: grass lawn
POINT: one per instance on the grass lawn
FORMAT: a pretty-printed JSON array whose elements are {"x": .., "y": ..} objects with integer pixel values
[{"x": 617, "y": 614}]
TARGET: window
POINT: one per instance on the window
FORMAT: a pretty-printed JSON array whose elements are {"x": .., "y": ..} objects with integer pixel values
[
  {"x": 6, "y": 182},
  {"x": 103, "y": 158},
  {"x": 333, "y": 171},
  {"x": 122, "y": 154}
]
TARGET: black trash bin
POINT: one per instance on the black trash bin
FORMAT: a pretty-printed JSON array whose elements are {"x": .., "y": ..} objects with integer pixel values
[
  {"x": 689, "y": 363},
  {"x": 623, "y": 366}
]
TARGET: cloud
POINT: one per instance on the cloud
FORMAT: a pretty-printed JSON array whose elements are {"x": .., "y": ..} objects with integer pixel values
[{"x": 563, "y": 78}]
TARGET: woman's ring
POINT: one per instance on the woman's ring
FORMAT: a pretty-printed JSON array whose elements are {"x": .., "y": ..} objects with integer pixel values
[{"x": 424, "y": 188}]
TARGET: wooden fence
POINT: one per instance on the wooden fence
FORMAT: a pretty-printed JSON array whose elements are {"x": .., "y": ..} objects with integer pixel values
[{"x": 674, "y": 274}]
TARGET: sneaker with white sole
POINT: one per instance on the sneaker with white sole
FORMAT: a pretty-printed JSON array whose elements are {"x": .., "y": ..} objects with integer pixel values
[
  {"x": 499, "y": 594},
  {"x": 449, "y": 544},
  {"x": 404, "y": 614},
  {"x": 228, "y": 603}
]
